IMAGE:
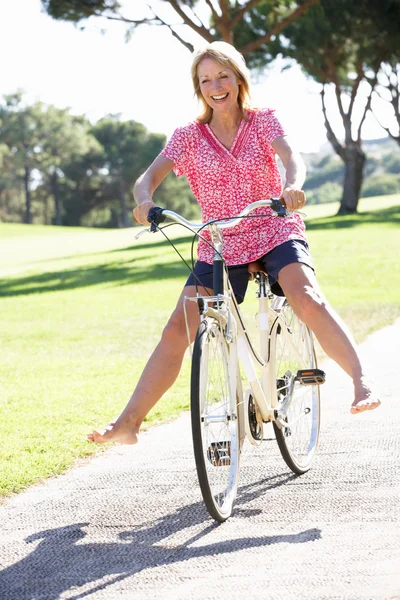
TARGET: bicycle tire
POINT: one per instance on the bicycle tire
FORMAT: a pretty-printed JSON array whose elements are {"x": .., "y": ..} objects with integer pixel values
[
  {"x": 292, "y": 349},
  {"x": 215, "y": 429}
]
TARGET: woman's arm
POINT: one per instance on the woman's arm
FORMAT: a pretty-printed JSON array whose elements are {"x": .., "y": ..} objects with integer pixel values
[
  {"x": 146, "y": 185},
  {"x": 292, "y": 194}
]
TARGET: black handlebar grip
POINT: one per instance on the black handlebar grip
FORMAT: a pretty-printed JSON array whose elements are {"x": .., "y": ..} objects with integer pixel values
[
  {"x": 279, "y": 208},
  {"x": 155, "y": 217}
]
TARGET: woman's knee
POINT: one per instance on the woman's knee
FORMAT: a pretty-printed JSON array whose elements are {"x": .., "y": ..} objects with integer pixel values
[
  {"x": 307, "y": 301},
  {"x": 175, "y": 330}
]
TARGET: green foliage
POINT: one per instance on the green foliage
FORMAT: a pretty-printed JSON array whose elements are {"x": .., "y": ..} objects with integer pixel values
[
  {"x": 76, "y": 10},
  {"x": 381, "y": 184},
  {"x": 21, "y": 130},
  {"x": 392, "y": 163},
  {"x": 332, "y": 170},
  {"x": 327, "y": 192},
  {"x": 128, "y": 149},
  {"x": 175, "y": 194},
  {"x": 71, "y": 171}
]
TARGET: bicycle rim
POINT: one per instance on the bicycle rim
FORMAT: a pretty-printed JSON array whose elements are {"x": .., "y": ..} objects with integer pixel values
[
  {"x": 214, "y": 420},
  {"x": 298, "y": 405}
]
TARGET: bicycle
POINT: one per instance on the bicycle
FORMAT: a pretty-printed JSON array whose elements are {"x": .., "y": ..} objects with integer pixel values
[{"x": 223, "y": 413}]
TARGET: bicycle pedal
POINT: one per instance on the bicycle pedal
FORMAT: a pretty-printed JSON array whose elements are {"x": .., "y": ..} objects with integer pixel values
[
  {"x": 310, "y": 376},
  {"x": 219, "y": 454}
]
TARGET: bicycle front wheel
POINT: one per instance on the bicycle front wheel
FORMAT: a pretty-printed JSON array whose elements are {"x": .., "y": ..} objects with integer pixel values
[
  {"x": 214, "y": 420},
  {"x": 297, "y": 428}
]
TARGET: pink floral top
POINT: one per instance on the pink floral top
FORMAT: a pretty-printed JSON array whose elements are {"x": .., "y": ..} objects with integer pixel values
[{"x": 225, "y": 181}]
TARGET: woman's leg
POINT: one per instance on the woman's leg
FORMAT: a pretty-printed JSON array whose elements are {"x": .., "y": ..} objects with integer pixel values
[
  {"x": 159, "y": 374},
  {"x": 304, "y": 295}
]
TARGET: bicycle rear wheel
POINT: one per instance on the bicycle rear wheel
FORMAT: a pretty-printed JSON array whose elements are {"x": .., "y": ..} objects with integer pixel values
[
  {"x": 298, "y": 405},
  {"x": 214, "y": 420}
]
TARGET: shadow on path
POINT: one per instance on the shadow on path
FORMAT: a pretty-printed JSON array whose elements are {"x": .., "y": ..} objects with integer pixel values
[{"x": 62, "y": 563}]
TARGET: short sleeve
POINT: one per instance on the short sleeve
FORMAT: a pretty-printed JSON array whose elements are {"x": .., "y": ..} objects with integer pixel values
[
  {"x": 269, "y": 126},
  {"x": 177, "y": 150}
]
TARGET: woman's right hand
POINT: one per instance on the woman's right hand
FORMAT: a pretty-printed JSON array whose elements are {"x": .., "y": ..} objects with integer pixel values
[{"x": 140, "y": 212}]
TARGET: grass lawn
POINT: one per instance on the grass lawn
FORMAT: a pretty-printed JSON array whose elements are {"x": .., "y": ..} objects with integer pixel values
[{"x": 81, "y": 310}]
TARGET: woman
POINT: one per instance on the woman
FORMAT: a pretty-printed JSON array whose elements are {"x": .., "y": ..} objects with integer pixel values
[{"x": 228, "y": 157}]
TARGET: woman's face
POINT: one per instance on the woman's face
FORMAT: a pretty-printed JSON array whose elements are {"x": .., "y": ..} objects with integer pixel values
[{"x": 219, "y": 85}]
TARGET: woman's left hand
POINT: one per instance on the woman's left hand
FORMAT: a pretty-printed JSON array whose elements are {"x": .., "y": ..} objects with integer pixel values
[{"x": 294, "y": 198}]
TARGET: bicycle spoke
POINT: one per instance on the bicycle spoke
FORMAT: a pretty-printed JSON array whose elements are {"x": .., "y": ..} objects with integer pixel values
[
  {"x": 298, "y": 405},
  {"x": 214, "y": 422}
]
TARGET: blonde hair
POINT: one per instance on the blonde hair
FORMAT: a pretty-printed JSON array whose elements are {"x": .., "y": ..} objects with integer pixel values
[{"x": 227, "y": 56}]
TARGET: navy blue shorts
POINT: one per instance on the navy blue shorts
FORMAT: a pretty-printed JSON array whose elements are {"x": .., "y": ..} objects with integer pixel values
[{"x": 293, "y": 251}]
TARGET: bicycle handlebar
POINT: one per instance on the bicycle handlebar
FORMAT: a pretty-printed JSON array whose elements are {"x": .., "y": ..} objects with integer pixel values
[{"x": 158, "y": 214}]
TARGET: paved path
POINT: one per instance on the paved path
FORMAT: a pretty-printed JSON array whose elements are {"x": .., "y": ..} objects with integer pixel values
[{"x": 130, "y": 524}]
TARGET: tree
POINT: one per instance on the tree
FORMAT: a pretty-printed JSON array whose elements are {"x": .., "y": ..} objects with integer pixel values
[
  {"x": 227, "y": 19},
  {"x": 64, "y": 139},
  {"x": 21, "y": 130},
  {"x": 128, "y": 149},
  {"x": 343, "y": 53},
  {"x": 10, "y": 195},
  {"x": 84, "y": 186}
]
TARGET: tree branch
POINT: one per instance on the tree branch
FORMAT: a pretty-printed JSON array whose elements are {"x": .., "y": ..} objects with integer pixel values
[
  {"x": 394, "y": 101},
  {"x": 224, "y": 21},
  {"x": 213, "y": 11},
  {"x": 279, "y": 27},
  {"x": 396, "y": 138},
  {"x": 187, "y": 45},
  {"x": 313, "y": 69},
  {"x": 367, "y": 105},
  {"x": 338, "y": 148},
  {"x": 145, "y": 21},
  {"x": 354, "y": 89},
  {"x": 201, "y": 30}
]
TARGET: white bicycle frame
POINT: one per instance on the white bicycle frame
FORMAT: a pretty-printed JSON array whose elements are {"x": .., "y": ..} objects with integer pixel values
[{"x": 263, "y": 390}]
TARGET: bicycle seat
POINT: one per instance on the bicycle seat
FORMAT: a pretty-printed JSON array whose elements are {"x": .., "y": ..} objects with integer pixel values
[{"x": 255, "y": 267}]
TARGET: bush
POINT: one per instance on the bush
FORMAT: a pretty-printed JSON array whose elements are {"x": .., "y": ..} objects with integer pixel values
[
  {"x": 392, "y": 163},
  {"x": 330, "y": 173},
  {"x": 328, "y": 192},
  {"x": 380, "y": 185}
]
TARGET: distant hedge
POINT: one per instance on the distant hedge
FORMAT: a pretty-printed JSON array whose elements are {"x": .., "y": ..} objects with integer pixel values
[{"x": 380, "y": 185}]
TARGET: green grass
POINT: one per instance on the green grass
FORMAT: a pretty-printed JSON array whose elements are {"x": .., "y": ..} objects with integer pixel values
[{"x": 81, "y": 310}]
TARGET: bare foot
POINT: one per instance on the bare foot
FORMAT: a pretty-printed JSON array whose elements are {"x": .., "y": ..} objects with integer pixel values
[
  {"x": 365, "y": 399},
  {"x": 119, "y": 431}
]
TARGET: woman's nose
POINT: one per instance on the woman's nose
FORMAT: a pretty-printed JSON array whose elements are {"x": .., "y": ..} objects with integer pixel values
[{"x": 216, "y": 85}]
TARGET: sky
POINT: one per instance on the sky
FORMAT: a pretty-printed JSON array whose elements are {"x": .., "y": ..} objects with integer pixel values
[{"x": 95, "y": 73}]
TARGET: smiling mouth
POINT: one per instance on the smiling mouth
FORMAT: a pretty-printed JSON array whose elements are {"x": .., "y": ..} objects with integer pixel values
[{"x": 217, "y": 98}]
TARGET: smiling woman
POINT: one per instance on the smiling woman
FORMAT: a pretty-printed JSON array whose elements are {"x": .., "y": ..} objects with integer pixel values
[{"x": 214, "y": 85}]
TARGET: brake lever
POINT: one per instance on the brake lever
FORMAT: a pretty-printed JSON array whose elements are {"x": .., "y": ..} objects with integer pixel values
[
  {"x": 138, "y": 235},
  {"x": 280, "y": 210}
]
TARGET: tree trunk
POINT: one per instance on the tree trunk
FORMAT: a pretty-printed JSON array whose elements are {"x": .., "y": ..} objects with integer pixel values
[
  {"x": 125, "y": 222},
  {"x": 354, "y": 159},
  {"x": 28, "y": 202},
  {"x": 56, "y": 194}
]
